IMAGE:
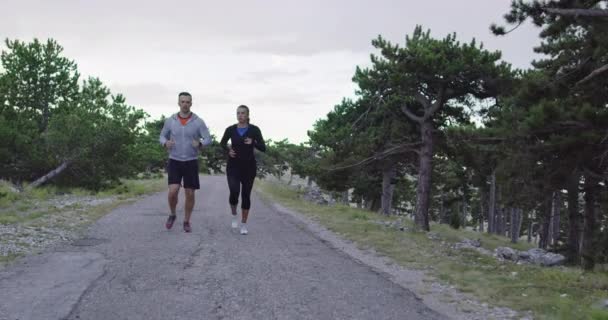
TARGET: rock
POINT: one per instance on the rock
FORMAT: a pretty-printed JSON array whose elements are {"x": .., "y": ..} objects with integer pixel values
[
  {"x": 472, "y": 243},
  {"x": 506, "y": 253},
  {"x": 433, "y": 236},
  {"x": 552, "y": 259},
  {"x": 524, "y": 255},
  {"x": 536, "y": 255},
  {"x": 542, "y": 257},
  {"x": 315, "y": 195},
  {"x": 604, "y": 304}
]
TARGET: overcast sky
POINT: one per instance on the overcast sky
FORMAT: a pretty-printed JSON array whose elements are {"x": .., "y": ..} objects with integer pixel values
[{"x": 289, "y": 61}]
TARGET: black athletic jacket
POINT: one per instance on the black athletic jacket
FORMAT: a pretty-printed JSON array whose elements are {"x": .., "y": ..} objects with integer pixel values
[{"x": 244, "y": 152}]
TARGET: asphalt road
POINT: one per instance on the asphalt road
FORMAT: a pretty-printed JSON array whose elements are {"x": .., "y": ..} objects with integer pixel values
[{"x": 130, "y": 267}]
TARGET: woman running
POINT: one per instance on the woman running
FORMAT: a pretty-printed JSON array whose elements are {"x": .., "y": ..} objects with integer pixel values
[{"x": 242, "y": 167}]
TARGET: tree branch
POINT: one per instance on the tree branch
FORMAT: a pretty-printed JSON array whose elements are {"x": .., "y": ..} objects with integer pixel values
[
  {"x": 422, "y": 99},
  {"x": 380, "y": 100},
  {"x": 437, "y": 104},
  {"x": 411, "y": 115},
  {"x": 593, "y": 74},
  {"x": 514, "y": 28},
  {"x": 602, "y": 13},
  {"x": 50, "y": 175},
  {"x": 592, "y": 173},
  {"x": 406, "y": 147}
]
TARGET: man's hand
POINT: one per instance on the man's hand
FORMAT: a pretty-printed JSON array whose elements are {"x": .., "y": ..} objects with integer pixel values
[
  {"x": 232, "y": 153},
  {"x": 169, "y": 144},
  {"x": 248, "y": 141},
  {"x": 196, "y": 143}
]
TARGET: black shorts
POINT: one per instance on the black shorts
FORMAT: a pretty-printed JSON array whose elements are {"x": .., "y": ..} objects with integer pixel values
[{"x": 186, "y": 170}]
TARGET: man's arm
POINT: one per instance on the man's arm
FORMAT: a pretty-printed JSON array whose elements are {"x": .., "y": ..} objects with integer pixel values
[
  {"x": 165, "y": 133},
  {"x": 204, "y": 132}
]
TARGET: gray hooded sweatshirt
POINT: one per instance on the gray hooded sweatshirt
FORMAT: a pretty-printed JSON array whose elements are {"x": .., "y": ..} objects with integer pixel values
[{"x": 183, "y": 135}]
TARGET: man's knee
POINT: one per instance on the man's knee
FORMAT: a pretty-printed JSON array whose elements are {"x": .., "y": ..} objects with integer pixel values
[
  {"x": 173, "y": 190},
  {"x": 189, "y": 193}
]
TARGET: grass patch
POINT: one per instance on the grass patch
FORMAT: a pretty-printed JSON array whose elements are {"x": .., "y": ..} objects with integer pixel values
[
  {"x": 488, "y": 241},
  {"x": 6, "y": 259},
  {"x": 12, "y": 216},
  {"x": 550, "y": 293},
  {"x": 134, "y": 188},
  {"x": 9, "y": 217},
  {"x": 23, "y": 206},
  {"x": 597, "y": 314},
  {"x": 7, "y": 195}
]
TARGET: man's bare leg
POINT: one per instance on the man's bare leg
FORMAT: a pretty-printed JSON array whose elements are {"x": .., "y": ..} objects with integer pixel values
[
  {"x": 173, "y": 197},
  {"x": 189, "y": 204}
]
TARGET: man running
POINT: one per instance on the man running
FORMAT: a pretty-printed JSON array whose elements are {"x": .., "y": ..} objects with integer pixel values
[{"x": 183, "y": 135}]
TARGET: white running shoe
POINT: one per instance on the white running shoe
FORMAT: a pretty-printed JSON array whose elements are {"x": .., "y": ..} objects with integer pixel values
[
  {"x": 235, "y": 222},
  {"x": 244, "y": 230}
]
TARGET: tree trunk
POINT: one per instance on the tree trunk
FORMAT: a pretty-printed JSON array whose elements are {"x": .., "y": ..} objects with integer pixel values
[
  {"x": 516, "y": 218},
  {"x": 344, "y": 197},
  {"x": 482, "y": 209},
  {"x": 375, "y": 204},
  {"x": 573, "y": 220},
  {"x": 424, "y": 176},
  {"x": 463, "y": 217},
  {"x": 556, "y": 218},
  {"x": 519, "y": 222},
  {"x": 492, "y": 204},
  {"x": 388, "y": 188},
  {"x": 529, "y": 227},
  {"x": 309, "y": 182},
  {"x": 550, "y": 236},
  {"x": 46, "y": 113},
  {"x": 510, "y": 212},
  {"x": 55, "y": 172},
  {"x": 442, "y": 216},
  {"x": 506, "y": 222},
  {"x": 544, "y": 224},
  {"x": 590, "y": 225},
  {"x": 498, "y": 228},
  {"x": 500, "y": 214},
  {"x": 480, "y": 219}
]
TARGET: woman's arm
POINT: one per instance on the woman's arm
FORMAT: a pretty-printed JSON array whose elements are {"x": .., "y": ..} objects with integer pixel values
[
  {"x": 224, "y": 141},
  {"x": 258, "y": 142}
]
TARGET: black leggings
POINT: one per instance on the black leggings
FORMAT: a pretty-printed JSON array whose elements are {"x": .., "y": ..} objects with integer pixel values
[{"x": 234, "y": 183}]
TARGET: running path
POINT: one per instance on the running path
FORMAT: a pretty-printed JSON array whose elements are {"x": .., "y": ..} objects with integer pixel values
[{"x": 130, "y": 267}]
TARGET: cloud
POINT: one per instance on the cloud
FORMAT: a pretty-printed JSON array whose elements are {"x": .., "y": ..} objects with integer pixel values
[
  {"x": 280, "y": 97},
  {"x": 273, "y": 74},
  {"x": 143, "y": 94},
  {"x": 302, "y": 46}
]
